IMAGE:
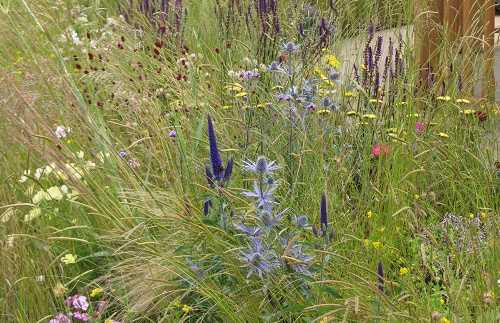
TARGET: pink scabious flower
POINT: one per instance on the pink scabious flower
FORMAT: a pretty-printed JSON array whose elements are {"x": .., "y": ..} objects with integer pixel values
[
  {"x": 84, "y": 317},
  {"x": 380, "y": 150}
]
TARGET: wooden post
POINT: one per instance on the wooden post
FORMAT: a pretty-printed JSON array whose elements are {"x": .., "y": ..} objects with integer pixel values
[{"x": 488, "y": 82}]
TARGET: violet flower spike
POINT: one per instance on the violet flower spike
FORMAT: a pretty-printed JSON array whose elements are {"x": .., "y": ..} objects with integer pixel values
[
  {"x": 323, "y": 215},
  {"x": 215, "y": 159},
  {"x": 229, "y": 169},
  {"x": 380, "y": 272}
]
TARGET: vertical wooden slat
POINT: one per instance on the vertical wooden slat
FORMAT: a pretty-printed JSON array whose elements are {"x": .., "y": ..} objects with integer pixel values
[{"x": 488, "y": 82}]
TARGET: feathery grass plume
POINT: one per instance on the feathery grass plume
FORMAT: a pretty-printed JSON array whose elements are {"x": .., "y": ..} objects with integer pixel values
[
  {"x": 215, "y": 159},
  {"x": 380, "y": 272}
]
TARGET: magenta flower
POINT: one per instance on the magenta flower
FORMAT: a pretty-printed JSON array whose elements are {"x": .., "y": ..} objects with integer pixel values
[
  {"x": 380, "y": 150},
  {"x": 420, "y": 127}
]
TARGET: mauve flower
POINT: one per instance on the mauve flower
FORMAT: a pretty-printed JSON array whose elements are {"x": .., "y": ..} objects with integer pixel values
[
  {"x": 60, "y": 318},
  {"x": 380, "y": 150},
  {"x": 122, "y": 154},
  {"x": 172, "y": 134}
]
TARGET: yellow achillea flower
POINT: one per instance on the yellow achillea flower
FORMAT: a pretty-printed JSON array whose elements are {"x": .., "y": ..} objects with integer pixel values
[
  {"x": 403, "y": 271},
  {"x": 241, "y": 94},
  {"x": 332, "y": 60},
  {"x": 376, "y": 101},
  {"x": 369, "y": 116},
  {"x": 444, "y": 98},
  {"x": 468, "y": 111},
  {"x": 462, "y": 101},
  {"x": 349, "y": 94},
  {"x": 415, "y": 115},
  {"x": 324, "y": 111},
  {"x": 443, "y": 135},
  {"x": 351, "y": 113},
  {"x": 95, "y": 292}
]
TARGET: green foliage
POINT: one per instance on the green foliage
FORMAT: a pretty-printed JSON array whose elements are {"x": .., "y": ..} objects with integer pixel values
[{"x": 117, "y": 201}]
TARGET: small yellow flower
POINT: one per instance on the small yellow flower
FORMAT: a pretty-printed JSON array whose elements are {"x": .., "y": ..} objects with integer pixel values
[
  {"x": 20, "y": 72},
  {"x": 471, "y": 215},
  {"x": 495, "y": 111},
  {"x": 363, "y": 67},
  {"x": 95, "y": 292},
  {"x": 443, "y": 98},
  {"x": 177, "y": 303},
  {"x": 462, "y": 101},
  {"x": 324, "y": 111},
  {"x": 332, "y": 60},
  {"x": 376, "y": 244},
  {"x": 417, "y": 196},
  {"x": 444, "y": 320},
  {"x": 349, "y": 94},
  {"x": 76, "y": 71},
  {"x": 325, "y": 319},
  {"x": 376, "y": 101},
  {"x": 367, "y": 242},
  {"x": 351, "y": 113},
  {"x": 185, "y": 308},
  {"x": 69, "y": 259},
  {"x": 400, "y": 103},
  {"x": 443, "y": 135},
  {"x": 369, "y": 214},
  {"x": 414, "y": 115},
  {"x": 467, "y": 111},
  {"x": 68, "y": 141},
  {"x": 441, "y": 301},
  {"x": 241, "y": 94},
  {"x": 369, "y": 116},
  {"x": 403, "y": 271},
  {"x": 483, "y": 215}
]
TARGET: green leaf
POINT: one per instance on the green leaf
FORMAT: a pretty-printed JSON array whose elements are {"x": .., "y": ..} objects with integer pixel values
[
  {"x": 294, "y": 308},
  {"x": 331, "y": 292}
]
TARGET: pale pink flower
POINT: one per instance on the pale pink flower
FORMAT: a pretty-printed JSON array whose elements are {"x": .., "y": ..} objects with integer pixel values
[{"x": 380, "y": 150}]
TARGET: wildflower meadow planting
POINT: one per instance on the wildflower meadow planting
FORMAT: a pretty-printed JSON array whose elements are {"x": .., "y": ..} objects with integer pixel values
[{"x": 242, "y": 161}]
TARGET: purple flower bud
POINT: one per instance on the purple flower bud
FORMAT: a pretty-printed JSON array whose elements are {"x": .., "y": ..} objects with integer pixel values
[
  {"x": 380, "y": 272},
  {"x": 215, "y": 160},
  {"x": 122, "y": 154},
  {"x": 229, "y": 169},
  {"x": 323, "y": 220},
  {"x": 172, "y": 134}
]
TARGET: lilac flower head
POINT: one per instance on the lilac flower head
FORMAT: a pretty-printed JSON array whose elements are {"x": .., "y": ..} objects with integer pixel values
[
  {"x": 248, "y": 74},
  {"x": 122, "y": 154},
  {"x": 79, "y": 302},
  {"x": 215, "y": 160},
  {"x": 323, "y": 215},
  {"x": 380, "y": 272},
  {"x": 274, "y": 66},
  {"x": 84, "y": 317},
  {"x": 173, "y": 134}
]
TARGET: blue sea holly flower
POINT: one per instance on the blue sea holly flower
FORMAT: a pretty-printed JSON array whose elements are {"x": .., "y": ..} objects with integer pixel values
[
  {"x": 301, "y": 259},
  {"x": 290, "y": 47},
  {"x": 264, "y": 197},
  {"x": 215, "y": 159},
  {"x": 302, "y": 222},
  {"x": 258, "y": 259},
  {"x": 261, "y": 166}
]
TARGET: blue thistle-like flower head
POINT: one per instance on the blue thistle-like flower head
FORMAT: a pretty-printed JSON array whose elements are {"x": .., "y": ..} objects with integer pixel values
[
  {"x": 215, "y": 159},
  {"x": 323, "y": 220}
]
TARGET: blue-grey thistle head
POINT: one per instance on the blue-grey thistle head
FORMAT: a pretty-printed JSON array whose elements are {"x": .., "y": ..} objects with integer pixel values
[
  {"x": 290, "y": 47},
  {"x": 323, "y": 220},
  {"x": 215, "y": 160},
  {"x": 261, "y": 164},
  {"x": 334, "y": 76},
  {"x": 380, "y": 272}
]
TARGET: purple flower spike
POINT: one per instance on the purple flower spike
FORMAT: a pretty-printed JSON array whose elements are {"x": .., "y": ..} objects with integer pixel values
[
  {"x": 380, "y": 272},
  {"x": 209, "y": 176},
  {"x": 324, "y": 215},
  {"x": 229, "y": 169},
  {"x": 215, "y": 160}
]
